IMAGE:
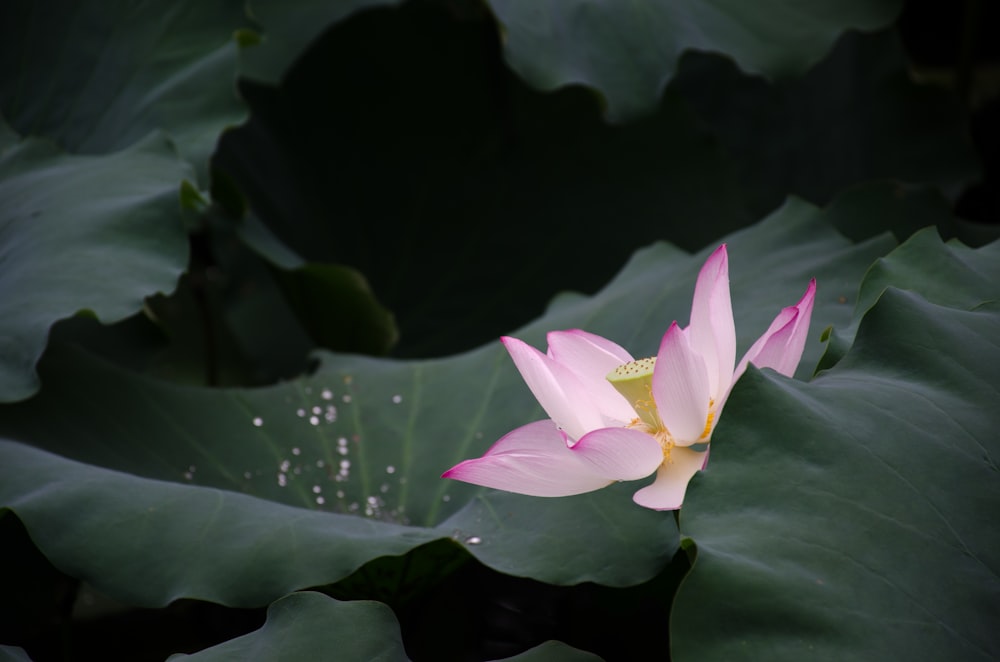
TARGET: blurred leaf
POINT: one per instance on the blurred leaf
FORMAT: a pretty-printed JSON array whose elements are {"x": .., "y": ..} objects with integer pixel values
[
  {"x": 336, "y": 307},
  {"x": 629, "y": 51},
  {"x": 465, "y": 199},
  {"x": 553, "y": 651},
  {"x": 365, "y": 440},
  {"x": 13, "y": 654},
  {"x": 859, "y": 523},
  {"x": 82, "y": 233},
  {"x": 301, "y": 625},
  {"x": 99, "y": 76},
  {"x": 856, "y": 116},
  {"x": 869, "y": 209}
]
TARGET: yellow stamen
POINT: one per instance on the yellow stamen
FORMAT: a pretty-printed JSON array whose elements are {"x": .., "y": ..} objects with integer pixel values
[{"x": 708, "y": 422}]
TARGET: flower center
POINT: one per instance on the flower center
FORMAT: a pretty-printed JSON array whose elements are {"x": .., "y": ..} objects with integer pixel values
[{"x": 634, "y": 380}]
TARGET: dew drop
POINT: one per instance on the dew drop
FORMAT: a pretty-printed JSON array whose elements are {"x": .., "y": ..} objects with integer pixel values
[
  {"x": 446, "y": 498},
  {"x": 282, "y": 480},
  {"x": 247, "y": 475},
  {"x": 383, "y": 488},
  {"x": 317, "y": 489},
  {"x": 473, "y": 540},
  {"x": 390, "y": 469},
  {"x": 296, "y": 451},
  {"x": 331, "y": 414},
  {"x": 258, "y": 421},
  {"x": 326, "y": 394},
  {"x": 345, "y": 464},
  {"x": 320, "y": 500},
  {"x": 340, "y": 494},
  {"x": 317, "y": 410},
  {"x": 346, "y": 399},
  {"x": 342, "y": 450},
  {"x": 314, "y": 420},
  {"x": 320, "y": 464},
  {"x": 396, "y": 399},
  {"x": 300, "y": 412},
  {"x": 285, "y": 464}
]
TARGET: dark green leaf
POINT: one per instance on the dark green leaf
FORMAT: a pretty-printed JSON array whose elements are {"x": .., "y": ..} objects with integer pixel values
[
  {"x": 858, "y": 523},
  {"x": 82, "y": 233},
  {"x": 308, "y": 626},
  {"x": 99, "y": 76},
  {"x": 629, "y": 51}
]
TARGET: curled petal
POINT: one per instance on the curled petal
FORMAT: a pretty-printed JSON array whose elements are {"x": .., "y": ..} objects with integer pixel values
[
  {"x": 619, "y": 453},
  {"x": 558, "y": 390},
  {"x": 680, "y": 387},
  {"x": 667, "y": 491},
  {"x": 538, "y": 436},
  {"x": 591, "y": 357},
  {"x": 534, "y": 460},
  {"x": 782, "y": 344},
  {"x": 577, "y": 345},
  {"x": 712, "y": 332}
]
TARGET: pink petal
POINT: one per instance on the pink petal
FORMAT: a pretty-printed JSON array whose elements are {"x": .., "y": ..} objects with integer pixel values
[
  {"x": 538, "y": 436},
  {"x": 680, "y": 387},
  {"x": 532, "y": 460},
  {"x": 558, "y": 390},
  {"x": 575, "y": 344},
  {"x": 712, "y": 332},
  {"x": 667, "y": 491},
  {"x": 782, "y": 344},
  {"x": 591, "y": 357},
  {"x": 620, "y": 453}
]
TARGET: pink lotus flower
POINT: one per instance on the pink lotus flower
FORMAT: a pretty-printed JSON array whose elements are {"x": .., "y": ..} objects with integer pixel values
[{"x": 615, "y": 418}]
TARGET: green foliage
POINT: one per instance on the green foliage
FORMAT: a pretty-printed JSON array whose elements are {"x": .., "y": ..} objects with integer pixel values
[
  {"x": 869, "y": 499},
  {"x": 236, "y": 359},
  {"x": 629, "y": 52},
  {"x": 301, "y": 624},
  {"x": 81, "y": 233}
]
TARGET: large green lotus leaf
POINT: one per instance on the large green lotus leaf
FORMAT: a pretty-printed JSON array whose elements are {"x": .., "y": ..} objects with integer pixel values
[
  {"x": 961, "y": 278},
  {"x": 301, "y": 625},
  {"x": 629, "y": 51},
  {"x": 860, "y": 522},
  {"x": 97, "y": 76},
  {"x": 857, "y": 116},
  {"x": 431, "y": 203},
  {"x": 82, "y": 233},
  {"x": 365, "y": 440}
]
